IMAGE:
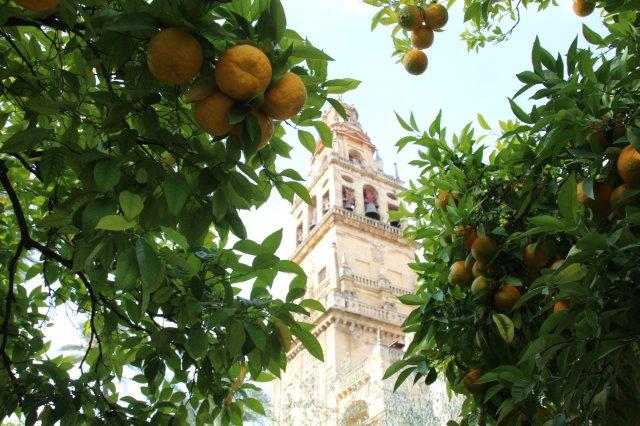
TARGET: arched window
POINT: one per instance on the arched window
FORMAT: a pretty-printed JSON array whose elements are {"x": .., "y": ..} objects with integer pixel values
[
  {"x": 393, "y": 222},
  {"x": 370, "y": 196},
  {"x": 355, "y": 157},
  {"x": 313, "y": 213},
  {"x": 299, "y": 234},
  {"x": 348, "y": 198},
  {"x": 325, "y": 202}
]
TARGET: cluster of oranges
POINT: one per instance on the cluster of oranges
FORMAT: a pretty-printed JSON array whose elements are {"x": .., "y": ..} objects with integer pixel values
[
  {"x": 242, "y": 76},
  {"x": 422, "y": 22},
  {"x": 607, "y": 200}
]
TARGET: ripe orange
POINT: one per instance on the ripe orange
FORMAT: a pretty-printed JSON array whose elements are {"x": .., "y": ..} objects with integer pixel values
[
  {"x": 535, "y": 259},
  {"x": 557, "y": 264},
  {"x": 506, "y": 297},
  {"x": 410, "y": 17},
  {"x": 469, "y": 381},
  {"x": 38, "y": 5},
  {"x": 583, "y": 8},
  {"x": 422, "y": 37},
  {"x": 266, "y": 127},
  {"x": 482, "y": 269},
  {"x": 459, "y": 274},
  {"x": 435, "y": 16},
  {"x": 617, "y": 204},
  {"x": 629, "y": 165},
  {"x": 212, "y": 114},
  {"x": 601, "y": 205},
  {"x": 560, "y": 305},
  {"x": 174, "y": 56},
  {"x": 285, "y": 98},
  {"x": 607, "y": 131},
  {"x": 484, "y": 249},
  {"x": 479, "y": 284},
  {"x": 200, "y": 90},
  {"x": 243, "y": 72},
  {"x": 415, "y": 62},
  {"x": 443, "y": 198}
]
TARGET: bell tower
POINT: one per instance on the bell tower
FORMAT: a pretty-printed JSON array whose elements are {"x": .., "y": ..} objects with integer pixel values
[{"x": 357, "y": 265}]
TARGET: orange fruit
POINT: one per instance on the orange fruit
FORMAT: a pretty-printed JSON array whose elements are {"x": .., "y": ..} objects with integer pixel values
[
  {"x": 422, "y": 37},
  {"x": 468, "y": 237},
  {"x": 617, "y": 204},
  {"x": 469, "y": 381},
  {"x": 535, "y": 259},
  {"x": 607, "y": 131},
  {"x": 435, "y": 16},
  {"x": 200, "y": 90},
  {"x": 629, "y": 165},
  {"x": 459, "y": 274},
  {"x": 484, "y": 249},
  {"x": 410, "y": 17},
  {"x": 601, "y": 204},
  {"x": 506, "y": 297},
  {"x": 266, "y": 127},
  {"x": 174, "y": 56},
  {"x": 415, "y": 62},
  {"x": 557, "y": 264},
  {"x": 38, "y": 5},
  {"x": 479, "y": 284},
  {"x": 482, "y": 269},
  {"x": 443, "y": 198},
  {"x": 285, "y": 98},
  {"x": 212, "y": 114},
  {"x": 560, "y": 305},
  {"x": 243, "y": 72},
  {"x": 583, "y": 8}
]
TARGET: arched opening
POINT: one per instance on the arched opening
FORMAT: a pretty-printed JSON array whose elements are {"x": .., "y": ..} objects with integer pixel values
[
  {"x": 299, "y": 234},
  {"x": 355, "y": 157},
  {"x": 392, "y": 196},
  {"x": 357, "y": 413},
  {"x": 348, "y": 198},
  {"x": 325, "y": 202},
  {"x": 393, "y": 221},
  {"x": 313, "y": 213},
  {"x": 347, "y": 178},
  {"x": 370, "y": 196}
]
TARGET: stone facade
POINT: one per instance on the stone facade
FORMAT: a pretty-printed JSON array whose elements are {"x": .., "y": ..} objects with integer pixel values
[{"x": 357, "y": 264}]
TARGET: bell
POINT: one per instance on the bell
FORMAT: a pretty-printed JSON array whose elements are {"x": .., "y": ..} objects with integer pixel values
[{"x": 370, "y": 210}]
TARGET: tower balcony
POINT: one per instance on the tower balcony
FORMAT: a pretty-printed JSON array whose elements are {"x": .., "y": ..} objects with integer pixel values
[{"x": 341, "y": 301}]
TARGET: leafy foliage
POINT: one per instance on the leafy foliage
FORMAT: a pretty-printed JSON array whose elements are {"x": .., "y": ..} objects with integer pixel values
[
  {"x": 117, "y": 205},
  {"x": 568, "y": 351}
]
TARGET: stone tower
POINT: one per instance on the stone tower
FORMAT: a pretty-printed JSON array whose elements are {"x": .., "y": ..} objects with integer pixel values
[{"x": 357, "y": 265}]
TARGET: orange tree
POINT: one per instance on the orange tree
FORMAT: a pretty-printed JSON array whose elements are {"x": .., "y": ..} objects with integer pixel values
[
  {"x": 115, "y": 203},
  {"x": 528, "y": 293}
]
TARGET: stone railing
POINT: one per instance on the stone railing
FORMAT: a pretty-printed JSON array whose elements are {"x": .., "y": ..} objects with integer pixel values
[
  {"x": 348, "y": 304},
  {"x": 345, "y": 161},
  {"x": 367, "y": 220},
  {"x": 355, "y": 375},
  {"x": 376, "y": 285}
]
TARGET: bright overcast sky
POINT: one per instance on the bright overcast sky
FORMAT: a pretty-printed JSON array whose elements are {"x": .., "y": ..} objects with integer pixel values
[{"x": 459, "y": 82}]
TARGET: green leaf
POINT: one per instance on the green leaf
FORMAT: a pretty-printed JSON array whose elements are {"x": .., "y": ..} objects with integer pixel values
[
  {"x": 254, "y": 405},
  {"x": 256, "y": 334},
  {"x": 279, "y": 19},
  {"x": 309, "y": 342},
  {"x": 236, "y": 337},
  {"x": 483, "y": 122},
  {"x": 307, "y": 140},
  {"x": 151, "y": 268},
  {"x": 591, "y": 36},
  {"x": 567, "y": 199},
  {"x": 176, "y": 191},
  {"x": 106, "y": 175},
  {"x": 25, "y": 139},
  {"x": 307, "y": 51},
  {"x": 272, "y": 242},
  {"x": 412, "y": 299},
  {"x": 313, "y": 304},
  {"x": 131, "y": 204},
  {"x": 402, "y": 377},
  {"x": 341, "y": 85},
  {"x": 394, "y": 368},
  {"x": 505, "y": 327},
  {"x": 136, "y": 21},
  {"x": 325, "y": 133},
  {"x": 114, "y": 222},
  {"x": 519, "y": 112},
  {"x": 126, "y": 269},
  {"x": 197, "y": 342}
]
